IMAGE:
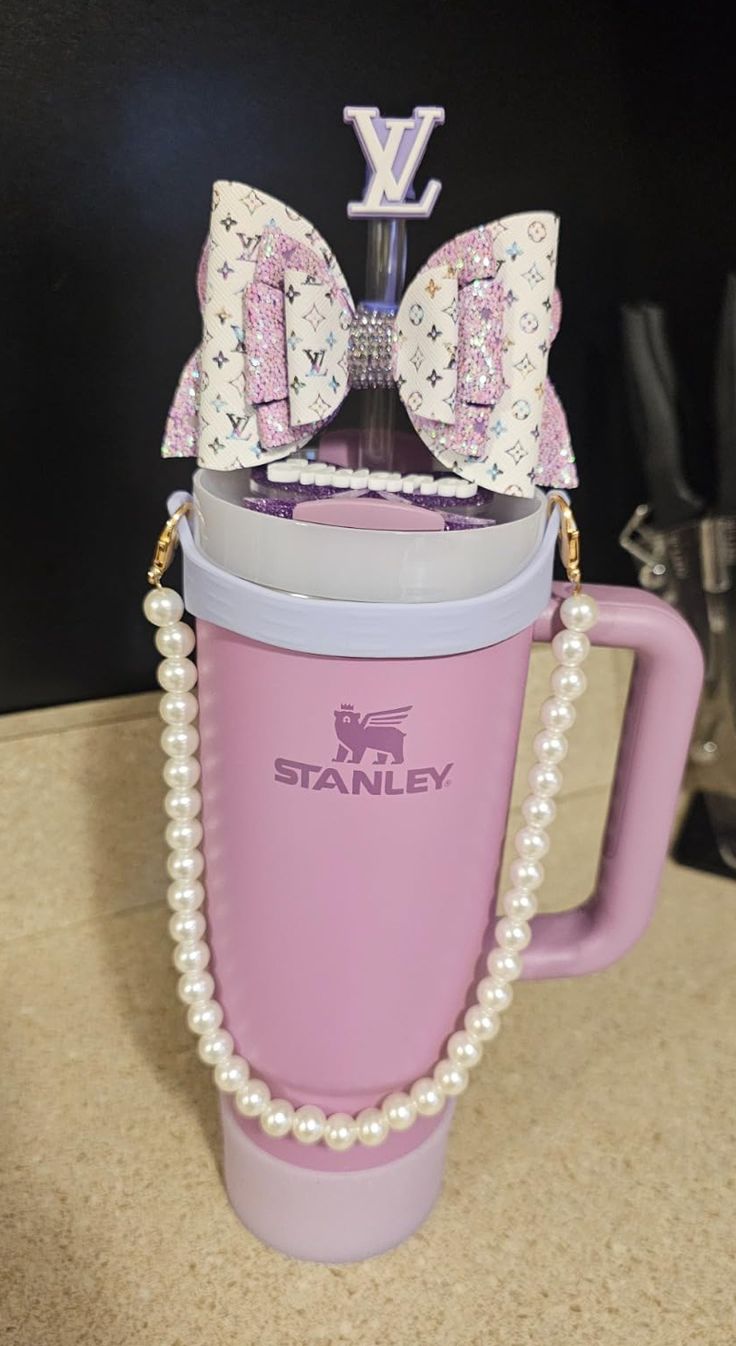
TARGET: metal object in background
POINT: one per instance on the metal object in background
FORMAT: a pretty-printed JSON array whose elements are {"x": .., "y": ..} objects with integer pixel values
[
  {"x": 725, "y": 402},
  {"x": 693, "y": 567},
  {"x": 660, "y": 534},
  {"x": 654, "y": 406},
  {"x": 690, "y": 560},
  {"x": 716, "y": 718},
  {"x": 642, "y": 541},
  {"x": 725, "y": 422}
]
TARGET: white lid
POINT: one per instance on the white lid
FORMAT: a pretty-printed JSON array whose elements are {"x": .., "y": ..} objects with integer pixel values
[{"x": 324, "y": 561}]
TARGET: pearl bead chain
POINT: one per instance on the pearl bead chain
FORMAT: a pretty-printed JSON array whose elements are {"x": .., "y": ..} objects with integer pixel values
[{"x": 427, "y": 1096}]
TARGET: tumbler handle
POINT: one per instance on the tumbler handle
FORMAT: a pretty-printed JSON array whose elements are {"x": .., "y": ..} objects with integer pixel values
[{"x": 660, "y": 711}]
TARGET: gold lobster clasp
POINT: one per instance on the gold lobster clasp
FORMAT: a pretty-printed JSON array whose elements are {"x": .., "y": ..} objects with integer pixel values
[
  {"x": 166, "y": 544},
  {"x": 569, "y": 539}
]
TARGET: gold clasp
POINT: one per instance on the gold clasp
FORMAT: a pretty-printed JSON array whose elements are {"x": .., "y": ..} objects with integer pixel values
[
  {"x": 163, "y": 552},
  {"x": 569, "y": 539}
]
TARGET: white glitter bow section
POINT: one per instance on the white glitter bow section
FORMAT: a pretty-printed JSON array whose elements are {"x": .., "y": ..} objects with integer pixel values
[{"x": 228, "y": 429}]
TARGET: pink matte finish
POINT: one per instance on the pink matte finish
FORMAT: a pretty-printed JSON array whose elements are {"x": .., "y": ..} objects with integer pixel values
[
  {"x": 347, "y": 930},
  {"x": 663, "y": 698},
  {"x": 331, "y": 1217},
  {"x": 350, "y": 510}
]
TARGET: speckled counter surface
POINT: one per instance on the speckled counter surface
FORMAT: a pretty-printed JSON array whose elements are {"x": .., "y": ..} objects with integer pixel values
[{"x": 591, "y": 1184}]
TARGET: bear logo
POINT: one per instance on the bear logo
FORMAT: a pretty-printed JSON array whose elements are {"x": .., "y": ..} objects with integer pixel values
[{"x": 378, "y": 730}]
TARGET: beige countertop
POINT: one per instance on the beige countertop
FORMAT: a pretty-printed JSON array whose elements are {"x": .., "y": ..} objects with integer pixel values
[{"x": 590, "y": 1193}]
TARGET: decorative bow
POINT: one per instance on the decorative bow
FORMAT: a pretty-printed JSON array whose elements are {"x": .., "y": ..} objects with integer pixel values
[{"x": 283, "y": 343}]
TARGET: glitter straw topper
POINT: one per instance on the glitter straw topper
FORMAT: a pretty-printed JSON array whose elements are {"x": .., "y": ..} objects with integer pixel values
[{"x": 365, "y": 604}]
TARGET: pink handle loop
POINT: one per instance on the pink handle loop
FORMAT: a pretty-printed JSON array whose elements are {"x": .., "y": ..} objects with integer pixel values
[{"x": 661, "y": 707}]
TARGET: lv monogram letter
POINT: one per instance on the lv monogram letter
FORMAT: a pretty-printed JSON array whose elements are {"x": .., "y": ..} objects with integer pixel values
[{"x": 394, "y": 148}]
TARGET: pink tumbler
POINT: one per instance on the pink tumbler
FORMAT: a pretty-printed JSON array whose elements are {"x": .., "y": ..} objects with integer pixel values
[{"x": 357, "y": 763}]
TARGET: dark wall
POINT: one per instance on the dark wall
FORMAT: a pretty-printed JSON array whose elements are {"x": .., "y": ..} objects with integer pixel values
[{"x": 117, "y": 118}]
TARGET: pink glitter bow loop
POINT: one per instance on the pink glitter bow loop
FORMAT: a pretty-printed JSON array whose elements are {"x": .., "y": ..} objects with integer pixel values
[
  {"x": 296, "y": 325},
  {"x": 282, "y": 344},
  {"x": 482, "y": 313},
  {"x": 450, "y": 344}
]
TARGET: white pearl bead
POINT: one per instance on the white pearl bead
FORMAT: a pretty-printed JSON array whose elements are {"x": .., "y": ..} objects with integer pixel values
[
  {"x": 557, "y": 715},
  {"x": 512, "y": 935},
  {"x": 526, "y": 874},
  {"x": 452, "y": 1078},
  {"x": 400, "y": 1111},
  {"x": 464, "y": 1050},
  {"x": 175, "y": 642},
  {"x": 427, "y": 1096},
  {"x": 214, "y": 1047},
  {"x": 494, "y": 995},
  {"x": 519, "y": 905},
  {"x": 341, "y": 1131},
  {"x": 231, "y": 1074},
  {"x": 204, "y": 1017},
  {"x": 539, "y": 811},
  {"x": 568, "y": 683},
  {"x": 372, "y": 1126},
  {"x": 191, "y": 957},
  {"x": 252, "y": 1098},
  {"x": 186, "y": 925},
  {"x": 545, "y": 780},
  {"x": 163, "y": 607},
  {"x": 185, "y": 865},
  {"x": 184, "y": 835},
  {"x": 180, "y": 804},
  {"x": 194, "y": 986},
  {"x": 570, "y": 647},
  {"x": 277, "y": 1117},
  {"x": 176, "y": 675},
  {"x": 481, "y": 1023},
  {"x": 185, "y": 896},
  {"x": 550, "y": 747},
  {"x": 308, "y": 1125},
  {"x": 503, "y": 965},
  {"x": 579, "y": 612},
  {"x": 178, "y": 708},
  {"x": 531, "y": 843},
  {"x": 179, "y": 740},
  {"x": 181, "y": 773}
]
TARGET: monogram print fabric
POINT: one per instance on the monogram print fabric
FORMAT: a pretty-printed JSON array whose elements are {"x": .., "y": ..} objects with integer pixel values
[{"x": 470, "y": 346}]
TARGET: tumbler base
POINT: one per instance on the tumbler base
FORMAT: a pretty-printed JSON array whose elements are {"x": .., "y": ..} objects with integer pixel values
[{"x": 331, "y": 1217}]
